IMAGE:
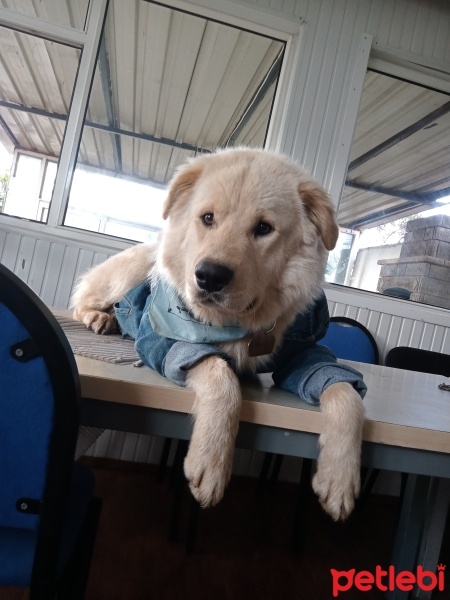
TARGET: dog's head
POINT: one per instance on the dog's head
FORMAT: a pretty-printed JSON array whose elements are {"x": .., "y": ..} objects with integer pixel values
[{"x": 247, "y": 237}]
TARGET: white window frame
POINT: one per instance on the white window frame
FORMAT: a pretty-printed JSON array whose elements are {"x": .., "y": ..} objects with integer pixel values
[
  {"x": 396, "y": 64},
  {"x": 88, "y": 41}
]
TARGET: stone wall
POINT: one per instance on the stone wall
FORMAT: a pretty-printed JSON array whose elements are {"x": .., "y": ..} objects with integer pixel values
[{"x": 423, "y": 267}]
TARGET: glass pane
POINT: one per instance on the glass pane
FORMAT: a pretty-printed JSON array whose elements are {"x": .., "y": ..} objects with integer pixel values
[
  {"x": 114, "y": 205},
  {"x": 35, "y": 94},
  {"x": 49, "y": 181},
  {"x": 24, "y": 188},
  {"x": 5, "y": 173},
  {"x": 168, "y": 86},
  {"x": 396, "y": 199},
  {"x": 70, "y": 13}
]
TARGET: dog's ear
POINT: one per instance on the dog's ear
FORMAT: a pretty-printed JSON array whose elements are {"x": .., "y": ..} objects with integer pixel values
[
  {"x": 320, "y": 211},
  {"x": 180, "y": 185}
]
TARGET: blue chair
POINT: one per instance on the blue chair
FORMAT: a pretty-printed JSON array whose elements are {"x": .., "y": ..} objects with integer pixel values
[
  {"x": 350, "y": 340},
  {"x": 48, "y": 514}
]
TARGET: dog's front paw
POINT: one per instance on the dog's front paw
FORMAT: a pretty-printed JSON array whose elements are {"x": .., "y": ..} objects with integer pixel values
[
  {"x": 208, "y": 471},
  {"x": 208, "y": 475},
  {"x": 337, "y": 482},
  {"x": 209, "y": 459},
  {"x": 100, "y": 322}
]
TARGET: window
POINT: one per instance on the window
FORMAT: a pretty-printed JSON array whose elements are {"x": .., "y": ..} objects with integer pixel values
[
  {"x": 168, "y": 85},
  {"x": 34, "y": 103},
  {"x": 30, "y": 186},
  {"x": 394, "y": 211}
]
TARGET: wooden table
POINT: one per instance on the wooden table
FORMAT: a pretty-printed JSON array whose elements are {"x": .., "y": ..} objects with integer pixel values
[{"x": 407, "y": 429}]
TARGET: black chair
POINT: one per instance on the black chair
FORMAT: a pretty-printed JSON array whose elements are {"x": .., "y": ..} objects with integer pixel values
[
  {"x": 48, "y": 514},
  {"x": 415, "y": 359}
]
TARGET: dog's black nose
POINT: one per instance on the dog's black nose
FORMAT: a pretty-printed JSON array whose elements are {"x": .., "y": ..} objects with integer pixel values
[{"x": 212, "y": 277}]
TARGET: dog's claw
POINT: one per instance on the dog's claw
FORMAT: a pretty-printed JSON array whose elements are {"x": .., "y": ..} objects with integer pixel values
[
  {"x": 207, "y": 479},
  {"x": 100, "y": 322},
  {"x": 336, "y": 497}
]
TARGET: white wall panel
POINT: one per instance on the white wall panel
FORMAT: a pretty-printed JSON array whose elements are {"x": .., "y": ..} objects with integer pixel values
[
  {"x": 51, "y": 268},
  {"x": 390, "y": 322}
]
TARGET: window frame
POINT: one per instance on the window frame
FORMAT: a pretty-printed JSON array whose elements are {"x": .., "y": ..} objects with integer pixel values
[
  {"x": 397, "y": 65},
  {"x": 88, "y": 42}
]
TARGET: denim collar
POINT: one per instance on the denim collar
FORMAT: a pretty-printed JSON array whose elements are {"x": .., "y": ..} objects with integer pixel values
[{"x": 170, "y": 318}]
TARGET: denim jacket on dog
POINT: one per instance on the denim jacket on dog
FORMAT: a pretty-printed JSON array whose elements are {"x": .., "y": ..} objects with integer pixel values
[{"x": 300, "y": 365}]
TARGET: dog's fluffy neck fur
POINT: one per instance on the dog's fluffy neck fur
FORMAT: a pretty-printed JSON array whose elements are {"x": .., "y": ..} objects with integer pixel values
[{"x": 275, "y": 314}]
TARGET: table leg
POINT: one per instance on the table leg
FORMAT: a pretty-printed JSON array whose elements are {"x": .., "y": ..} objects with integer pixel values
[
  {"x": 430, "y": 547},
  {"x": 409, "y": 529}
]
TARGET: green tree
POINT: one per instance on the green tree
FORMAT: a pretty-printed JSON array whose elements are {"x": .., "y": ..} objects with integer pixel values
[{"x": 394, "y": 232}]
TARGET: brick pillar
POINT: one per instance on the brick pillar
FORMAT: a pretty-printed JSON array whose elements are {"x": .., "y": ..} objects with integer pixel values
[{"x": 423, "y": 267}]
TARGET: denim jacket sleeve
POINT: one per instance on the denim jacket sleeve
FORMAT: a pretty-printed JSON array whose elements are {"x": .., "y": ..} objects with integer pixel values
[
  {"x": 300, "y": 365},
  {"x": 170, "y": 358},
  {"x": 306, "y": 368}
]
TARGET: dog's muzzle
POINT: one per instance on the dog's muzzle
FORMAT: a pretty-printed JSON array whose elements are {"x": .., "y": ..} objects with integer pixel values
[{"x": 212, "y": 277}]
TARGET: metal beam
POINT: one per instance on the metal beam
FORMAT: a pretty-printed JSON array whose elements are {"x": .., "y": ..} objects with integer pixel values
[
  {"x": 43, "y": 29},
  {"x": 399, "y": 137},
  {"x": 413, "y": 197},
  {"x": 105, "y": 77},
  {"x": 9, "y": 133},
  {"x": 381, "y": 214},
  {"x": 148, "y": 138},
  {"x": 107, "y": 128},
  {"x": 78, "y": 108}
]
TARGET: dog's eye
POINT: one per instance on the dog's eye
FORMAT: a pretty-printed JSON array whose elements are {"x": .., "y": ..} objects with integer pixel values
[
  {"x": 207, "y": 219},
  {"x": 262, "y": 228}
]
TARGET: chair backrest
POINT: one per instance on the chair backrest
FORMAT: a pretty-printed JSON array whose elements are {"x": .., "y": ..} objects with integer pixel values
[
  {"x": 39, "y": 404},
  {"x": 350, "y": 340},
  {"x": 415, "y": 359},
  {"x": 397, "y": 292}
]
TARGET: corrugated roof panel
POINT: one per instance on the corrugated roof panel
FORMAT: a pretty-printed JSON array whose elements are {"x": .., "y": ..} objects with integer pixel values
[
  {"x": 371, "y": 208},
  {"x": 232, "y": 91},
  {"x": 254, "y": 131},
  {"x": 400, "y": 147},
  {"x": 36, "y": 133},
  {"x": 408, "y": 158},
  {"x": 205, "y": 96},
  {"x": 97, "y": 149},
  {"x": 36, "y": 74},
  {"x": 387, "y": 107}
]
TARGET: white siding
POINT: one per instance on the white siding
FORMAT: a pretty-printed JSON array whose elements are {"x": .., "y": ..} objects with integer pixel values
[
  {"x": 49, "y": 266},
  {"x": 51, "y": 269}
]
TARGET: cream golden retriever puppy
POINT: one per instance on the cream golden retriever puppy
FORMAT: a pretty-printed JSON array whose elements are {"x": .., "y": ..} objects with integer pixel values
[{"x": 245, "y": 247}]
